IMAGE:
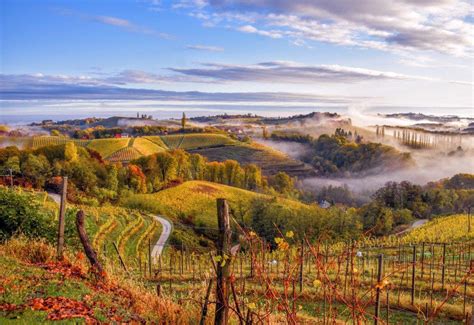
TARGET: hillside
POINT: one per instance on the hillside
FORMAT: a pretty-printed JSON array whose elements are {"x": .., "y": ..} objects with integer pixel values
[
  {"x": 269, "y": 160},
  {"x": 38, "y": 290},
  {"x": 216, "y": 147},
  {"x": 443, "y": 229},
  {"x": 130, "y": 230},
  {"x": 197, "y": 199}
]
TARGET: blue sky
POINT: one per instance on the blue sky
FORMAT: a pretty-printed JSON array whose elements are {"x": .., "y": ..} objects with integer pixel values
[{"x": 301, "y": 53}]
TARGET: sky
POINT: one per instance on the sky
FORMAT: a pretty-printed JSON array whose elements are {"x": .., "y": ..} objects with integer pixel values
[{"x": 259, "y": 56}]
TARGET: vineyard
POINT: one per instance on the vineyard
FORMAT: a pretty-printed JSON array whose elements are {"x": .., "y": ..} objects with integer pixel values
[
  {"x": 292, "y": 281},
  {"x": 418, "y": 278},
  {"x": 195, "y": 141},
  {"x": 125, "y": 149},
  {"x": 124, "y": 154},
  {"x": 129, "y": 230},
  {"x": 271, "y": 161},
  {"x": 44, "y": 141},
  {"x": 149, "y": 145}
]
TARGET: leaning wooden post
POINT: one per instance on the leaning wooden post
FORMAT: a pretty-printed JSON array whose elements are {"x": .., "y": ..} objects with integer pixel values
[
  {"x": 62, "y": 211},
  {"x": 90, "y": 253},
  {"x": 223, "y": 267},
  {"x": 379, "y": 289}
]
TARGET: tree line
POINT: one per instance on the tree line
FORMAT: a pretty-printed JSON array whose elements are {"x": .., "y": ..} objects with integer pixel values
[
  {"x": 93, "y": 180},
  {"x": 345, "y": 152}
]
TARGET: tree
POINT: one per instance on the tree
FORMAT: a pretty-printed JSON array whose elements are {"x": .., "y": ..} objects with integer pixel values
[
  {"x": 282, "y": 182},
  {"x": 167, "y": 165},
  {"x": 253, "y": 177},
  {"x": 182, "y": 164},
  {"x": 111, "y": 181},
  {"x": 36, "y": 169},
  {"x": 197, "y": 164},
  {"x": 183, "y": 121},
  {"x": 265, "y": 132},
  {"x": 70, "y": 151},
  {"x": 233, "y": 173},
  {"x": 13, "y": 164},
  {"x": 55, "y": 133}
]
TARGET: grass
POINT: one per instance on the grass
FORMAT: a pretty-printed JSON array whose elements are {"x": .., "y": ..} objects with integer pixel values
[
  {"x": 197, "y": 199},
  {"x": 74, "y": 295}
]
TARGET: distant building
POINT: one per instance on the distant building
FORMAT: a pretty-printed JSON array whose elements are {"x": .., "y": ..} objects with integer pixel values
[{"x": 324, "y": 204}]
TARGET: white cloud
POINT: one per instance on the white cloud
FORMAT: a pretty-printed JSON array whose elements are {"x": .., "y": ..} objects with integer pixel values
[
  {"x": 292, "y": 72},
  {"x": 116, "y": 22},
  {"x": 443, "y": 26},
  {"x": 205, "y": 48},
  {"x": 252, "y": 30}
]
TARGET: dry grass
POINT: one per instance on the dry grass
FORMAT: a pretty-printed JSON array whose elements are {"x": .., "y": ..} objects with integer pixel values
[{"x": 28, "y": 250}]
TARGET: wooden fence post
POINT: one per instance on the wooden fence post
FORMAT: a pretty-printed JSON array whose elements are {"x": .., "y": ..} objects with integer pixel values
[
  {"x": 223, "y": 267},
  {"x": 413, "y": 270},
  {"x": 443, "y": 270},
  {"x": 301, "y": 266},
  {"x": 61, "y": 225},
  {"x": 379, "y": 281}
]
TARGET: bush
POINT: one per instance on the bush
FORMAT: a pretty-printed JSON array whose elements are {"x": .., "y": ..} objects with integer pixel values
[{"x": 21, "y": 213}]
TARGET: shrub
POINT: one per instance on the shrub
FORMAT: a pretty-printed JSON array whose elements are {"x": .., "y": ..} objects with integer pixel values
[{"x": 22, "y": 214}]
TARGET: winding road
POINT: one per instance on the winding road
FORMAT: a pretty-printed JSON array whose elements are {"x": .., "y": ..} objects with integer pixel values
[{"x": 165, "y": 234}]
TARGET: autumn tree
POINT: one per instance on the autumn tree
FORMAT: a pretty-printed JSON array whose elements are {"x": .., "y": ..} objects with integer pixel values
[
  {"x": 70, "y": 151},
  {"x": 183, "y": 121}
]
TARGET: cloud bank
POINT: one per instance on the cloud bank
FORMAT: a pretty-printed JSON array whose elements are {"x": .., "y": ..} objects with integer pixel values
[{"x": 442, "y": 26}]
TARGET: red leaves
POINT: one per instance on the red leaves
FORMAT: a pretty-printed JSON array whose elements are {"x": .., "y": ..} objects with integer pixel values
[
  {"x": 8, "y": 308},
  {"x": 59, "y": 308},
  {"x": 65, "y": 268}
]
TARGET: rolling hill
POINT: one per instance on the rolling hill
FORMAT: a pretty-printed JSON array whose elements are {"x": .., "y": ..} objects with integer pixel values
[
  {"x": 269, "y": 160},
  {"x": 216, "y": 147},
  {"x": 197, "y": 199}
]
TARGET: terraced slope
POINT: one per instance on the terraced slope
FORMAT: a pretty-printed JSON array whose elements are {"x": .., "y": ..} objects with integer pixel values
[
  {"x": 216, "y": 147},
  {"x": 149, "y": 145},
  {"x": 124, "y": 155},
  {"x": 195, "y": 141},
  {"x": 44, "y": 141},
  {"x": 269, "y": 160},
  {"x": 107, "y": 147}
]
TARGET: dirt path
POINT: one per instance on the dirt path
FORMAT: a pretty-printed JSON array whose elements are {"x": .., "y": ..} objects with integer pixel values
[
  {"x": 414, "y": 225},
  {"x": 165, "y": 234},
  {"x": 56, "y": 197}
]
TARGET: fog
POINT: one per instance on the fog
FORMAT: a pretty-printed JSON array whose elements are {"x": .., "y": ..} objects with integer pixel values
[
  {"x": 293, "y": 149},
  {"x": 427, "y": 168}
]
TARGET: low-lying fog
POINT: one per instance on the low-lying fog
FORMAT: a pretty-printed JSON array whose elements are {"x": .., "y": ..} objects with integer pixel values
[{"x": 430, "y": 165}]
